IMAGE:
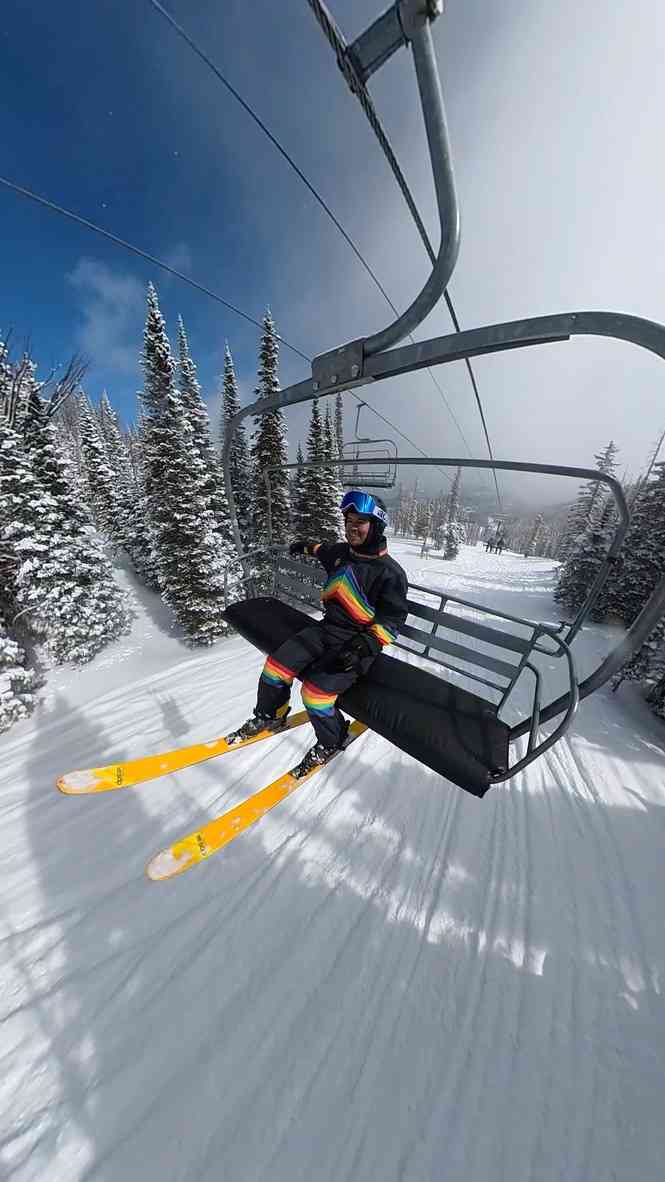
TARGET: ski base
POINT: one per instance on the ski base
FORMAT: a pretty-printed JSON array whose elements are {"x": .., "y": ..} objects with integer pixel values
[
  {"x": 198, "y": 846},
  {"x": 150, "y": 767}
]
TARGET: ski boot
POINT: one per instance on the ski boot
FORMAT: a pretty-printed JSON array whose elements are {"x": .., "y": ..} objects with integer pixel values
[
  {"x": 258, "y": 723},
  {"x": 318, "y": 755}
]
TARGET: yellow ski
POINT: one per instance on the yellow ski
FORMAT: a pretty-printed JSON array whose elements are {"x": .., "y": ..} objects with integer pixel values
[
  {"x": 211, "y": 837},
  {"x": 150, "y": 767}
]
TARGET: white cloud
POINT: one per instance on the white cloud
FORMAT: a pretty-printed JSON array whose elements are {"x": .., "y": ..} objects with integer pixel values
[
  {"x": 180, "y": 258},
  {"x": 112, "y": 305}
]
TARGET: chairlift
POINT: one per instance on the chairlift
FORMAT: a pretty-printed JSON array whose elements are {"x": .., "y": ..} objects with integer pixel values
[
  {"x": 383, "y": 454},
  {"x": 453, "y": 730}
]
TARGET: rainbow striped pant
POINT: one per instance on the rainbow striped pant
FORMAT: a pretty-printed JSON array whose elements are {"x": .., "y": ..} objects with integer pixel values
[{"x": 303, "y": 656}]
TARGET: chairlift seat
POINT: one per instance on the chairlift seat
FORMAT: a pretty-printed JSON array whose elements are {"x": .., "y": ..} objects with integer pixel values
[{"x": 448, "y": 729}]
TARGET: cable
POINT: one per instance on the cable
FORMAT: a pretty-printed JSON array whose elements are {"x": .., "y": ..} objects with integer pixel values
[
  {"x": 299, "y": 173},
  {"x": 67, "y": 213},
  {"x": 339, "y": 46},
  {"x": 143, "y": 254}
]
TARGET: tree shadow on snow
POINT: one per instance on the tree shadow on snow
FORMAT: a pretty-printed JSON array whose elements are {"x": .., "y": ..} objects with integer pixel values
[
  {"x": 384, "y": 976},
  {"x": 81, "y": 951}
]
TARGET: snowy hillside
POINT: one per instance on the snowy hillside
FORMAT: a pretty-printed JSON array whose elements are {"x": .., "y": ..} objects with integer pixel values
[{"x": 385, "y": 979}]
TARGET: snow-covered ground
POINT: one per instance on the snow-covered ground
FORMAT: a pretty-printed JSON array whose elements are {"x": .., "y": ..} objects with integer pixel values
[{"x": 383, "y": 980}]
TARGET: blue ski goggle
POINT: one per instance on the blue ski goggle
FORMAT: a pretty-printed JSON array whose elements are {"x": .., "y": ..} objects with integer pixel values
[{"x": 363, "y": 503}]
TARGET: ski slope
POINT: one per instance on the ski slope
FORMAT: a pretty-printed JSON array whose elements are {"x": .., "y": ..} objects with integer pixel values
[{"x": 385, "y": 979}]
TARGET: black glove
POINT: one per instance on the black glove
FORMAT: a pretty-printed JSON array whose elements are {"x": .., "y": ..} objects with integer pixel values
[
  {"x": 351, "y": 656},
  {"x": 297, "y": 548}
]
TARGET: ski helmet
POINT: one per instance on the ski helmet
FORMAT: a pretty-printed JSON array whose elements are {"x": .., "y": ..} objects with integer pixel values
[{"x": 373, "y": 509}]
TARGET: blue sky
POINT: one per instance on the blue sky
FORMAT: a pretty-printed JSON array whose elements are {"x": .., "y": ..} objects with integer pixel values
[{"x": 555, "y": 115}]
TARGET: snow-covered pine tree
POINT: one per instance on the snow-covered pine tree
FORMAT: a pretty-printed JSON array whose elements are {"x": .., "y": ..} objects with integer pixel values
[
  {"x": 300, "y": 520},
  {"x": 190, "y": 394},
  {"x": 584, "y": 562},
  {"x": 642, "y": 560},
  {"x": 18, "y": 384},
  {"x": 189, "y": 553},
  {"x": 587, "y": 529},
  {"x": 196, "y": 413},
  {"x": 5, "y": 372},
  {"x": 61, "y": 580},
  {"x": 17, "y": 682},
  {"x": 423, "y": 516},
  {"x": 102, "y": 495},
  {"x": 50, "y": 461},
  {"x": 269, "y": 446},
  {"x": 648, "y": 662},
  {"x": 399, "y": 511},
  {"x": 68, "y": 530},
  {"x": 409, "y": 510},
  {"x": 535, "y": 536},
  {"x": 453, "y": 532},
  {"x": 67, "y": 439},
  {"x": 439, "y": 517},
  {"x": 118, "y": 445},
  {"x": 240, "y": 462},
  {"x": 315, "y": 500},
  {"x": 590, "y": 502},
  {"x": 634, "y": 488},
  {"x": 334, "y": 525},
  {"x": 643, "y": 553},
  {"x": 131, "y": 529},
  {"x": 134, "y": 438}
]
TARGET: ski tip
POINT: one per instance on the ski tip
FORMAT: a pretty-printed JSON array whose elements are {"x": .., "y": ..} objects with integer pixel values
[
  {"x": 166, "y": 864},
  {"x": 77, "y": 782}
]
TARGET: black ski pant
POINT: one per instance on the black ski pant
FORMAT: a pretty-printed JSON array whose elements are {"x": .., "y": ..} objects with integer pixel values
[{"x": 305, "y": 656}]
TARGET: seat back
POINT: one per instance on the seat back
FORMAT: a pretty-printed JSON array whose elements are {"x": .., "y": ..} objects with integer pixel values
[{"x": 486, "y": 650}]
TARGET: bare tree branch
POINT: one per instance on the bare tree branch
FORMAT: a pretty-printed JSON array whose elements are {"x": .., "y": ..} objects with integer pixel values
[{"x": 65, "y": 386}]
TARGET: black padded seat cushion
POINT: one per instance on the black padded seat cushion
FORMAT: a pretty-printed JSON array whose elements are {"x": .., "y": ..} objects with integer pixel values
[{"x": 444, "y": 727}]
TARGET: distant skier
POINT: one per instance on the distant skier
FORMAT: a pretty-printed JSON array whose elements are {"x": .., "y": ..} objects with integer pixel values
[{"x": 364, "y": 601}]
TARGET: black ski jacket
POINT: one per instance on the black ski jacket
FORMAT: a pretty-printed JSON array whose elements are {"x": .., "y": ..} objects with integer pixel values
[{"x": 362, "y": 594}]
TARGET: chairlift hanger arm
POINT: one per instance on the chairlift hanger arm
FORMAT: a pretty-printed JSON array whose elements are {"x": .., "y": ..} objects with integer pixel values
[{"x": 408, "y": 23}]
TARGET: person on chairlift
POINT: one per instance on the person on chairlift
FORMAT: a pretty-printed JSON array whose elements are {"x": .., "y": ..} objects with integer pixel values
[{"x": 365, "y": 604}]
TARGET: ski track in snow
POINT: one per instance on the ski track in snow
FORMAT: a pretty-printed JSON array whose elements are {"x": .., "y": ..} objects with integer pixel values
[{"x": 384, "y": 978}]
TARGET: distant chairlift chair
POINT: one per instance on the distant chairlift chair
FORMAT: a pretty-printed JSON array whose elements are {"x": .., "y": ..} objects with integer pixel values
[{"x": 381, "y": 472}]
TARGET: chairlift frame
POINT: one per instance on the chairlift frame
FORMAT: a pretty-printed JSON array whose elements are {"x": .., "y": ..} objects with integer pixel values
[{"x": 369, "y": 359}]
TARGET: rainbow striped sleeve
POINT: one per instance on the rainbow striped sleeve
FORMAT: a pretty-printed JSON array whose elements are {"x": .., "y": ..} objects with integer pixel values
[{"x": 383, "y": 635}]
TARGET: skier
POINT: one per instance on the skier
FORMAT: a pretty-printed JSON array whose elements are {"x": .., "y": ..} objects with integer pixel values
[{"x": 364, "y": 602}]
